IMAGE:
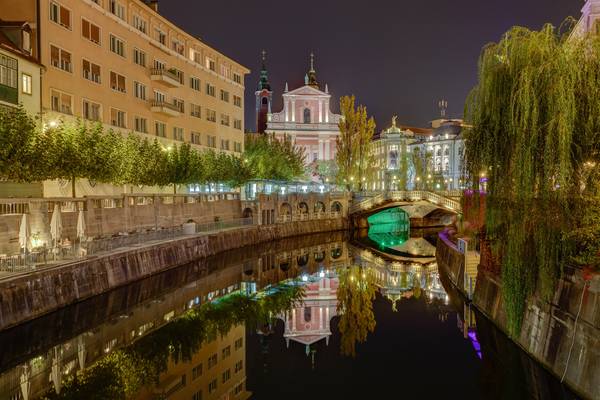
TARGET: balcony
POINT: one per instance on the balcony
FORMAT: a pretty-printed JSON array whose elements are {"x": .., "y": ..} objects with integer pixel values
[
  {"x": 164, "y": 108},
  {"x": 165, "y": 76}
]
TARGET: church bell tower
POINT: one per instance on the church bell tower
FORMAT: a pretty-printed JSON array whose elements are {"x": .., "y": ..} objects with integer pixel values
[{"x": 264, "y": 97}]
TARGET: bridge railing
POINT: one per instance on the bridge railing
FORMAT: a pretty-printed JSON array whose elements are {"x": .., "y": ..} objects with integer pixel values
[{"x": 407, "y": 195}]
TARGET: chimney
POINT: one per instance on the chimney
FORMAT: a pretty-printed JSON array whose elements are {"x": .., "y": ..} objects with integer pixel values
[{"x": 153, "y": 4}]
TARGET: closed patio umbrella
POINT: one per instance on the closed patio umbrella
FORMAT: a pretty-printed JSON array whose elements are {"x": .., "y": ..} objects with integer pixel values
[
  {"x": 24, "y": 233},
  {"x": 81, "y": 226},
  {"x": 55, "y": 372},
  {"x": 56, "y": 225},
  {"x": 24, "y": 382}
]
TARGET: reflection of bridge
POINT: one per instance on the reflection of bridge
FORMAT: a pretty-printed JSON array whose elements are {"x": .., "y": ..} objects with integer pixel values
[{"x": 389, "y": 198}]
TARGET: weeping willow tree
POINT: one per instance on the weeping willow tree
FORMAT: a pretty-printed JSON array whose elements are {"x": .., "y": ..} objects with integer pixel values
[{"x": 536, "y": 138}]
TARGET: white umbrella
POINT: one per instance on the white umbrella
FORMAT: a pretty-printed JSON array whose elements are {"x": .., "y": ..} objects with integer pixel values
[
  {"x": 81, "y": 352},
  {"x": 24, "y": 233},
  {"x": 55, "y": 373},
  {"x": 24, "y": 381},
  {"x": 56, "y": 225},
  {"x": 81, "y": 226}
]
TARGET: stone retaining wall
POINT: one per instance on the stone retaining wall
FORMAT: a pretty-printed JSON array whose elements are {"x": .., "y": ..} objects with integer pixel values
[
  {"x": 548, "y": 331},
  {"x": 31, "y": 295}
]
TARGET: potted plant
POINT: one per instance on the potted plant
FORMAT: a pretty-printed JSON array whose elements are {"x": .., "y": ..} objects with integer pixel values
[{"x": 189, "y": 228}]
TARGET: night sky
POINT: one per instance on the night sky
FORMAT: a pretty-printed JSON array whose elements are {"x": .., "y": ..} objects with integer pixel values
[{"x": 397, "y": 56}]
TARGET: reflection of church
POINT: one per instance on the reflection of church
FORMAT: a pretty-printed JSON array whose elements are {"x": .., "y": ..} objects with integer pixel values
[
  {"x": 310, "y": 322},
  {"x": 306, "y": 116}
]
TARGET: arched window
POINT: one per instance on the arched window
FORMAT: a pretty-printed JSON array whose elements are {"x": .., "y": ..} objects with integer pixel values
[
  {"x": 265, "y": 101},
  {"x": 307, "y": 116},
  {"x": 446, "y": 151}
]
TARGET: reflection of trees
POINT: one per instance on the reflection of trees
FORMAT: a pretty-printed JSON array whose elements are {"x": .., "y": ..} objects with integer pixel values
[
  {"x": 122, "y": 373},
  {"x": 355, "y": 293}
]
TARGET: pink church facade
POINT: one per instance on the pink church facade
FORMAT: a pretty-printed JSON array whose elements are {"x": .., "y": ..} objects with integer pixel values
[{"x": 306, "y": 118}]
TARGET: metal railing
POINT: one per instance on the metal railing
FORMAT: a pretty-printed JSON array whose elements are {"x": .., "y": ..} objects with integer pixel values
[{"x": 414, "y": 195}]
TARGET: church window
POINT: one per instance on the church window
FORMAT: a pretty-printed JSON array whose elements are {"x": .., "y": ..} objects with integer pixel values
[
  {"x": 307, "y": 116},
  {"x": 307, "y": 314},
  {"x": 265, "y": 101}
]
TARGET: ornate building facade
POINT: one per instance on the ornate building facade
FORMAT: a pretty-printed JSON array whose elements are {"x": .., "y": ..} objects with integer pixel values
[
  {"x": 306, "y": 116},
  {"x": 441, "y": 147}
]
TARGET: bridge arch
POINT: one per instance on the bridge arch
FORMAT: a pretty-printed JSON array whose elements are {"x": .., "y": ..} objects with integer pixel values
[
  {"x": 303, "y": 207},
  {"x": 285, "y": 209},
  {"x": 319, "y": 207},
  {"x": 336, "y": 206}
]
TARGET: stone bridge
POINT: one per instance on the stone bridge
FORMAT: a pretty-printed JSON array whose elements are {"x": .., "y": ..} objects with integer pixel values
[{"x": 418, "y": 204}]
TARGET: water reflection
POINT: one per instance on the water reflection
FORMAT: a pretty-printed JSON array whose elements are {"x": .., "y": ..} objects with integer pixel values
[{"x": 233, "y": 327}]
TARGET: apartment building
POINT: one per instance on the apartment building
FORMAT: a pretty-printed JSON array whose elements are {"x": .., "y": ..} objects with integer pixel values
[
  {"x": 121, "y": 63},
  {"x": 19, "y": 70},
  {"x": 216, "y": 371}
]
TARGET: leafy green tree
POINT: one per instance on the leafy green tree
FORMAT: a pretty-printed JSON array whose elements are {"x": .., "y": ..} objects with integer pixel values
[
  {"x": 354, "y": 159},
  {"x": 17, "y": 146},
  {"x": 269, "y": 158}
]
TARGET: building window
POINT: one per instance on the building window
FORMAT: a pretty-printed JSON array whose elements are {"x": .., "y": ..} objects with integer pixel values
[
  {"x": 224, "y": 119},
  {"x": 141, "y": 124},
  {"x": 225, "y": 96},
  {"x": 139, "y": 23},
  {"x": 179, "y": 104},
  {"x": 237, "y": 101},
  {"x": 239, "y": 343},
  {"x": 8, "y": 73},
  {"x": 195, "y": 83},
  {"x": 195, "y": 110},
  {"x": 160, "y": 129},
  {"x": 196, "y": 56},
  {"x": 212, "y": 361},
  {"x": 90, "y": 31},
  {"x": 91, "y": 71},
  {"x": 117, "y": 45},
  {"x": 161, "y": 37},
  {"x": 159, "y": 97},
  {"x": 118, "y": 118},
  {"x": 178, "y": 134},
  {"x": 224, "y": 146},
  {"x": 210, "y": 90},
  {"x": 226, "y": 352},
  {"x": 239, "y": 366},
  {"x": 212, "y": 386},
  {"x": 179, "y": 74},
  {"x": 237, "y": 124},
  {"x": 178, "y": 47},
  {"x": 210, "y": 64},
  {"x": 211, "y": 115},
  {"x": 60, "y": 59},
  {"x": 139, "y": 57},
  {"x": 117, "y": 8},
  {"x": 197, "y": 395},
  {"x": 26, "y": 83},
  {"x": 238, "y": 389},
  {"x": 92, "y": 111},
  {"x": 159, "y": 65},
  {"x": 226, "y": 376},
  {"x": 237, "y": 78},
  {"x": 117, "y": 82},
  {"x": 195, "y": 138},
  {"x": 307, "y": 116},
  {"x": 139, "y": 90},
  {"x": 211, "y": 141},
  {"x": 225, "y": 71},
  {"x": 60, "y": 15},
  {"x": 61, "y": 102},
  {"x": 237, "y": 147}
]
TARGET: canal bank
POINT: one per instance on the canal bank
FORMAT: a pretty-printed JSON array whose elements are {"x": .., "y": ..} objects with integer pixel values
[
  {"x": 31, "y": 295},
  {"x": 563, "y": 334}
]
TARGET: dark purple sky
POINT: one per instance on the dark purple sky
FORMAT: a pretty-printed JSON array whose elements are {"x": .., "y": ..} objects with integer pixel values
[{"x": 397, "y": 56}]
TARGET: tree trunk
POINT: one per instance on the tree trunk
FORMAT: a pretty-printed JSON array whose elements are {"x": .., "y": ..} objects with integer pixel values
[
  {"x": 73, "y": 179},
  {"x": 174, "y": 188}
]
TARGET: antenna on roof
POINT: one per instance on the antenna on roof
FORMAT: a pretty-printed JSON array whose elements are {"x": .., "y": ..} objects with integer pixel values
[{"x": 443, "y": 105}]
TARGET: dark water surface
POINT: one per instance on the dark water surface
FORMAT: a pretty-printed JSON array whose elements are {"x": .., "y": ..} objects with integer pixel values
[{"x": 367, "y": 328}]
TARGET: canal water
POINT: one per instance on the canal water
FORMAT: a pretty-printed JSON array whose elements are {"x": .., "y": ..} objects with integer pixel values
[{"x": 319, "y": 317}]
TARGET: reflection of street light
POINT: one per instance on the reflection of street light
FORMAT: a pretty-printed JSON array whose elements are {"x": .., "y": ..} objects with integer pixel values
[
  {"x": 418, "y": 178},
  {"x": 53, "y": 124},
  {"x": 352, "y": 178},
  {"x": 429, "y": 176}
]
